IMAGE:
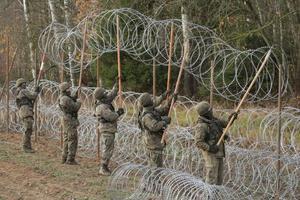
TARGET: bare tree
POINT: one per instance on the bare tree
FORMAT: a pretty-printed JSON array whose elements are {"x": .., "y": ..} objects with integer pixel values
[{"x": 30, "y": 37}]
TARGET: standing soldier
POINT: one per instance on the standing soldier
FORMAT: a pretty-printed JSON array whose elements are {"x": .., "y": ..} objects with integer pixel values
[
  {"x": 70, "y": 106},
  {"x": 207, "y": 133},
  {"x": 154, "y": 121},
  {"x": 25, "y": 100},
  {"x": 107, "y": 117}
]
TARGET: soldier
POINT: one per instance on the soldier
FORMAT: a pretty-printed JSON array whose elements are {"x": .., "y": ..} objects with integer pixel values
[
  {"x": 154, "y": 121},
  {"x": 70, "y": 106},
  {"x": 107, "y": 117},
  {"x": 207, "y": 133},
  {"x": 25, "y": 100},
  {"x": 156, "y": 102}
]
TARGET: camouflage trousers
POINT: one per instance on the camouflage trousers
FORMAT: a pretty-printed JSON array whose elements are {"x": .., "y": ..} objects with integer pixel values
[
  {"x": 70, "y": 140},
  {"x": 155, "y": 158},
  {"x": 27, "y": 123},
  {"x": 107, "y": 142},
  {"x": 214, "y": 169}
]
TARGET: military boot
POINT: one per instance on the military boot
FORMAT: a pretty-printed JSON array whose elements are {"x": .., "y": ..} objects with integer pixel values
[{"x": 104, "y": 170}]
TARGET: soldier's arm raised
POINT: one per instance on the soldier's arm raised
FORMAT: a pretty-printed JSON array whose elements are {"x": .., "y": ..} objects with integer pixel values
[
  {"x": 113, "y": 93},
  {"x": 108, "y": 115},
  {"x": 152, "y": 124},
  {"x": 200, "y": 133},
  {"x": 29, "y": 94}
]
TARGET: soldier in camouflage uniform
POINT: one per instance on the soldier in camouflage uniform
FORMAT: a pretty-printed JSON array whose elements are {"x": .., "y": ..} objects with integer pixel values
[
  {"x": 70, "y": 106},
  {"x": 25, "y": 100},
  {"x": 207, "y": 133},
  {"x": 107, "y": 117},
  {"x": 154, "y": 121}
]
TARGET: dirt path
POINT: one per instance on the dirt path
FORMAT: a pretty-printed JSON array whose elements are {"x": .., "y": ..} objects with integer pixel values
[{"x": 41, "y": 176}]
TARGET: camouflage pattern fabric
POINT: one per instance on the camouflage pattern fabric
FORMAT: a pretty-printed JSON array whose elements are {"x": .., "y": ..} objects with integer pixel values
[
  {"x": 70, "y": 108},
  {"x": 107, "y": 141},
  {"x": 153, "y": 126},
  {"x": 155, "y": 158},
  {"x": 207, "y": 133},
  {"x": 70, "y": 138},
  {"x": 27, "y": 125},
  {"x": 25, "y": 101}
]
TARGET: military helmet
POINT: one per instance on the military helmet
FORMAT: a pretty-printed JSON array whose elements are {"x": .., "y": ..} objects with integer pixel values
[
  {"x": 203, "y": 108},
  {"x": 99, "y": 93},
  {"x": 145, "y": 100},
  {"x": 20, "y": 81},
  {"x": 64, "y": 86}
]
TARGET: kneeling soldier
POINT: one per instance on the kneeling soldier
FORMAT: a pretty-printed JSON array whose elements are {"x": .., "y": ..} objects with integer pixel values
[
  {"x": 70, "y": 106},
  {"x": 107, "y": 117},
  {"x": 25, "y": 100},
  {"x": 207, "y": 133}
]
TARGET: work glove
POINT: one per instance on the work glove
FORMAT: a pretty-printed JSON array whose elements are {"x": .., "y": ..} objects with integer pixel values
[
  {"x": 167, "y": 119},
  {"x": 213, "y": 149},
  {"x": 120, "y": 111},
  {"x": 166, "y": 93},
  {"x": 227, "y": 138},
  {"x": 37, "y": 89},
  {"x": 234, "y": 115}
]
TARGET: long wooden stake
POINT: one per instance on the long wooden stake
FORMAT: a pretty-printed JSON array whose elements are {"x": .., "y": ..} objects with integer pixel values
[
  {"x": 163, "y": 139},
  {"x": 170, "y": 56},
  {"x": 245, "y": 95},
  {"x": 43, "y": 59},
  {"x": 212, "y": 70},
  {"x": 36, "y": 101},
  {"x": 119, "y": 61},
  {"x": 82, "y": 55},
  {"x": 7, "y": 87},
  {"x": 98, "y": 71},
  {"x": 279, "y": 132},
  {"x": 97, "y": 126},
  {"x": 154, "y": 78}
]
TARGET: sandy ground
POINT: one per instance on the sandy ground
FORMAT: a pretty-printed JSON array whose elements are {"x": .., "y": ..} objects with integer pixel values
[{"x": 41, "y": 176}]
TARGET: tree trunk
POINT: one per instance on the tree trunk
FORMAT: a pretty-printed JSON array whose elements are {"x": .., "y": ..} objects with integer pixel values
[
  {"x": 68, "y": 8},
  {"x": 30, "y": 37},
  {"x": 188, "y": 78}
]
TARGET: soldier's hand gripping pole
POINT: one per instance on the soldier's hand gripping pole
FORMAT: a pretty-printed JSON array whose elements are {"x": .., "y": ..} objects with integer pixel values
[{"x": 245, "y": 95}]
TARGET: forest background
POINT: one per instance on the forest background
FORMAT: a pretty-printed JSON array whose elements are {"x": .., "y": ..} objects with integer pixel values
[{"x": 244, "y": 24}]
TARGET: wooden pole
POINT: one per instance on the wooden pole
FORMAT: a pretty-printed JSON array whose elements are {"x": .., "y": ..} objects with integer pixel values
[
  {"x": 163, "y": 139},
  {"x": 279, "y": 132},
  {"x": 62, "y": 68},
  {"x": 245, "y": 95},
  {"x": 212, "y": 70},
  {"x": 37, "y": 99},
  {"x": 82, "y": 55},
  {"x": 119, "y": 61},
  {"x": 7, "y": 86},
  {"x": 154, "y": 78},
  {"x": 170, "y": 56},
  {"x": 97, "y": 125},
  {"x": 98, "y": 71}
]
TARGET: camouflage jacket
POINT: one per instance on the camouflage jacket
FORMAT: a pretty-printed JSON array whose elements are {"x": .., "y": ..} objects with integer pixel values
[
  {"x": 153, "y": 126},
  {"x": 70, "y": 108},
  {"x": 161, "y": 109},
  {"x": 25, "y": 100},
  {"x": 208, "y": 132},
  {"x": 107, "y": 117}
]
